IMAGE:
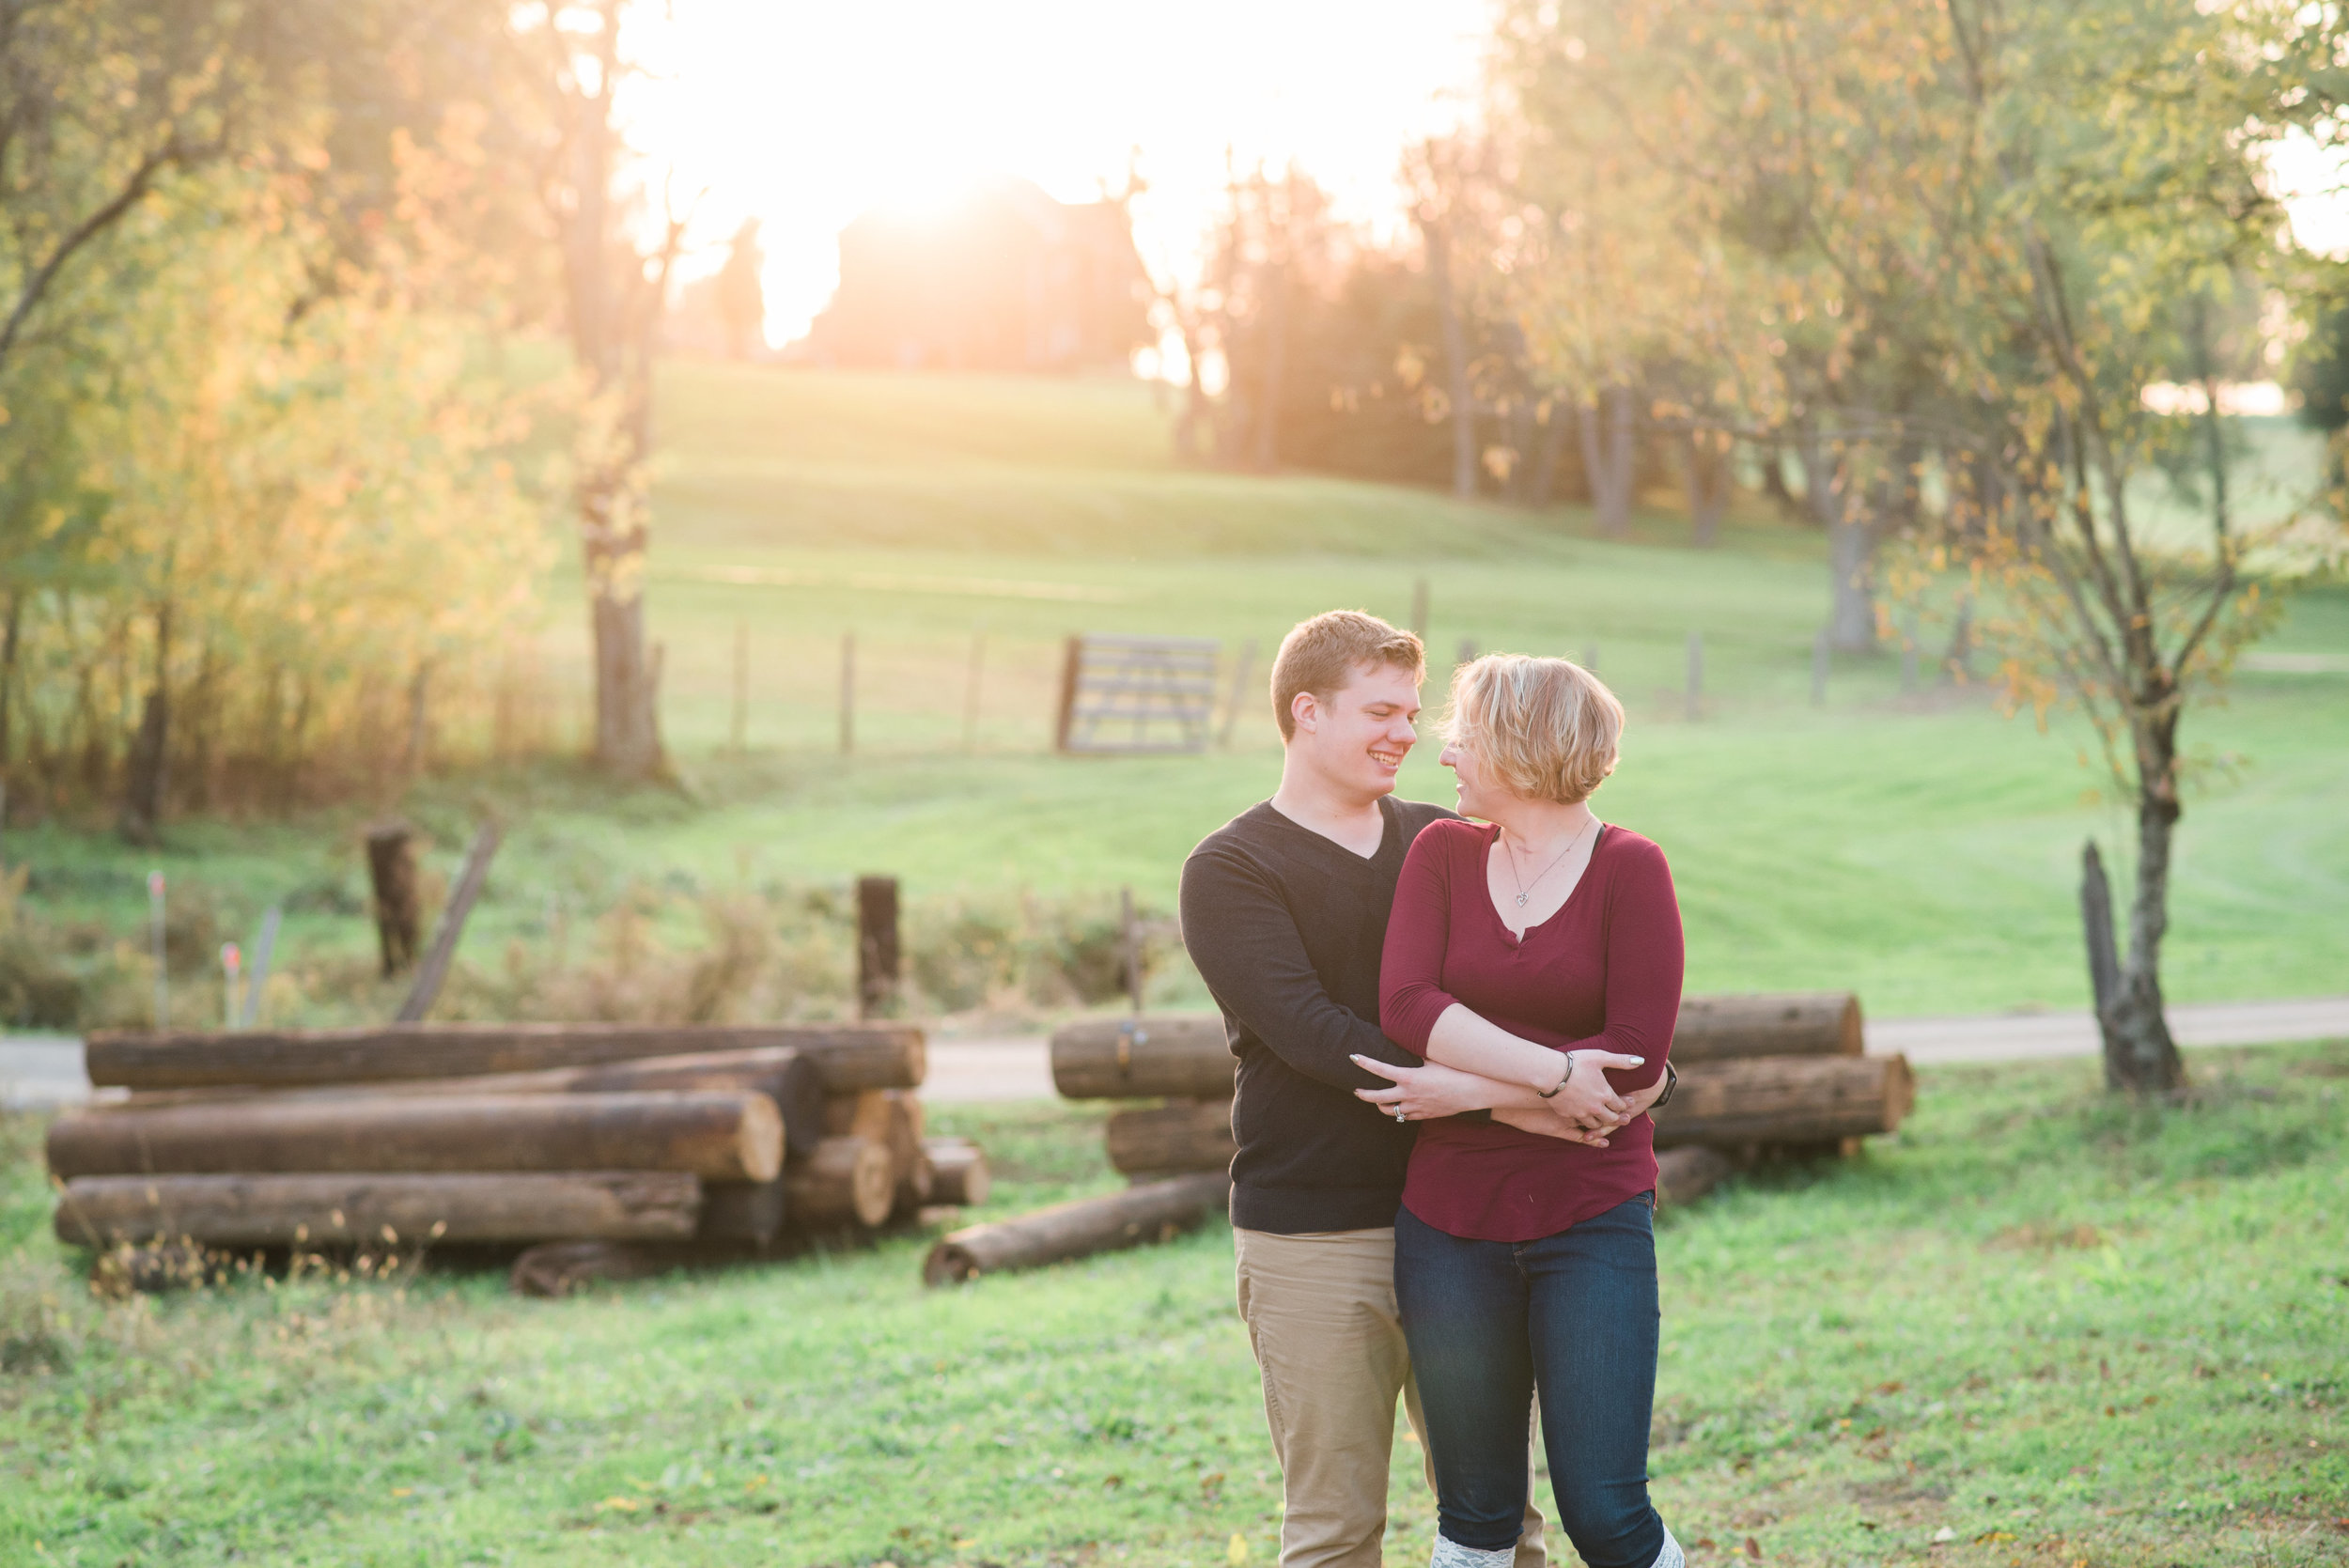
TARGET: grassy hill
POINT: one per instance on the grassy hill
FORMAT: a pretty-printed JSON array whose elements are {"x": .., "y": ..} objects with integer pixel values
[{"x": 1921, "y": 849}]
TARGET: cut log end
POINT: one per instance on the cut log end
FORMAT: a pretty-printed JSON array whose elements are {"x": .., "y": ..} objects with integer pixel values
[
  {"x": 958, "y": 1172},
  {"x": 844, "y": 1181}
]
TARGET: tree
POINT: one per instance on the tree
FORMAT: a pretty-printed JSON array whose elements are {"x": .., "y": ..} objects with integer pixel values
[
  {"x": 1964, "y": 242},
  {"x": 741, "y": 297},
  {"x": 616, "y": 290}
]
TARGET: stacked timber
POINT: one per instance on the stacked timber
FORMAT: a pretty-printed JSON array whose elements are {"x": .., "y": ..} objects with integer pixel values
[
  {"x": 697, "y": 1142},
  {"x": 1763, "y": 1075}
]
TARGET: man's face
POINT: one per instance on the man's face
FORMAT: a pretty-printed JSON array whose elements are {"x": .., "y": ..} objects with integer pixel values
[{"x": 1359, "y": 739}]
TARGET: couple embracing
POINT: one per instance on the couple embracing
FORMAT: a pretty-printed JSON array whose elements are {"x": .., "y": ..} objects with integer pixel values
[{"x": 1449, "y": 1032}]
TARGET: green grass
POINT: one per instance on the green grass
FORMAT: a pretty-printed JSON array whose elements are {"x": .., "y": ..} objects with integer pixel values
[
  {"x": 1922, "y": 850},
  {"x": 2044, "y": 1325}
]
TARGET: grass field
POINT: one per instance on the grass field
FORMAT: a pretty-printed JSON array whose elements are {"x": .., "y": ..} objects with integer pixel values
[
  {"x": 1920, "y": 849},
  {"x": 2037, "y": 1326}
]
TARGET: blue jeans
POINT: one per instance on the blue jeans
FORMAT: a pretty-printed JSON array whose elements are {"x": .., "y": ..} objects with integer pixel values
[{"x": 1571, "y": 1318}]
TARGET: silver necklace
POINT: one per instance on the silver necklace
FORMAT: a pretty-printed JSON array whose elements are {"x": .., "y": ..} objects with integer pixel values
[{"x": 1525, "y": 892}]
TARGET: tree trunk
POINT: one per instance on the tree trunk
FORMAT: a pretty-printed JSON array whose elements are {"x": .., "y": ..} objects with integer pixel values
[
  {"x": 2140, "y": 1055},
  {"x": 8, "y": 681},
  {"x": 849, "y": 1056},
  {"x": 1683, "y": 1175},
  {"x": 1852, "y": 610},
  {"x": 1455, "y": 361},
  {"x": 722, "y": 1137},
  {"x": 744, "y": 1211},
  {"x": 1266, "y": 455},
  {"x": 149, "y": 773},
  {"x": 1151, "y": 1212},
  {"x": 241, "y": 1210},
  {"x": 1709, "y": 473},
  {"x": 891, "y": 1119},
  {"x": 1553, "y": 444},
  {"x": 1607, "y": 455}
]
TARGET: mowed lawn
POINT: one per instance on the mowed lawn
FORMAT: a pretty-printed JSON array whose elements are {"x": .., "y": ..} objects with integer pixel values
[
  {"x": 1921, "y": 849},
  {"x": 2037, "y": 1326}
]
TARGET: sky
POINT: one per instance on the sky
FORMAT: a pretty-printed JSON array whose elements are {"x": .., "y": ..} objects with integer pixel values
[{"x": 804, "y": 115}]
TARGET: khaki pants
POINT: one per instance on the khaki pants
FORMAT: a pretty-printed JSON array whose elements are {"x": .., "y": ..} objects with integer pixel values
[{"x": 1321, "y": 1316}]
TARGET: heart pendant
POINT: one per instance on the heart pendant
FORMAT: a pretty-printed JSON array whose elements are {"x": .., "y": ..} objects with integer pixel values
[{"x": 1520, "y": 901}]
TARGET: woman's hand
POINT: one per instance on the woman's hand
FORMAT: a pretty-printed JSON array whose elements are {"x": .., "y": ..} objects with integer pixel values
[
  {"x": 1423, "y": 1093},
  {"x": 1587, "y": 1099}
]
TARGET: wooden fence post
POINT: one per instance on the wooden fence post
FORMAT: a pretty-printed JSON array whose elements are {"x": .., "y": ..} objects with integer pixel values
[
  {"x": 1590, "y": 658},
  {"x": 1071, "y": 668},
  {"x": 433, "y": 972},
  {"x": 1129, "y": 939},
  {"x": 742, "y": 727},
  {"x": 155, "y": 937},
  {"x": 392, "y": 873},
  {"x": 970, "y": 691},
  {"x": 877, "y": 950},
  {"x": 847, "y": 692},
  {"x": 1468, "y": 651},
  {"x": 1241, "y": 670}
]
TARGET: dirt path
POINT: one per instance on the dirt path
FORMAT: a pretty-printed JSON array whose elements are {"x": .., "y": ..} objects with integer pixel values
[{"x": 46, "y": 1070}]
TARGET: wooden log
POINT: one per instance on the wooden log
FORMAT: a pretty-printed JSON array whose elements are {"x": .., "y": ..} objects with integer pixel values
[
  {"x": 785, "y": 1075},
  {"x": 849, "y": 1056},
  {"x": 1163, "y": 1141},
  {"x": 1683, "y": 1175},
  {"x": 958, "y": 1172},
  {"x": 722, "y": 1137},
  {"x": 1179, "y": 1055},
  {"x": 744, "y": 1211},
  {"x": 1791, "y": 1024},
  {"x": 844, "y": 1181},
  {"x": 1786, "y": 1099},
  {"x": 390, "y": 1208},
  {"x": 893, "y": 1118},
  {"x": 1150, "y": 1212},
  {"x": 1187, "y": 1055}
]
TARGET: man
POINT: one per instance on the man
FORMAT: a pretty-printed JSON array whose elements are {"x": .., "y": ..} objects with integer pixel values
[{"x": 1284, "y": 912}]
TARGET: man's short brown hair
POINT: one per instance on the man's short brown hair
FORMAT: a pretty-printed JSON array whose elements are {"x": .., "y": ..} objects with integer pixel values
[{"x": 1321, "y": 655}]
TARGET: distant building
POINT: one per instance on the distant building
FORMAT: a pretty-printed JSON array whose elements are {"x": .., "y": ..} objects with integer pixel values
[{"x": 1006, "y": 279}]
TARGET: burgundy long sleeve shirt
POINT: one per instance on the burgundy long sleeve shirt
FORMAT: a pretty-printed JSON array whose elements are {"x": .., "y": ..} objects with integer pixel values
[{"x": 1603, "y": 973}]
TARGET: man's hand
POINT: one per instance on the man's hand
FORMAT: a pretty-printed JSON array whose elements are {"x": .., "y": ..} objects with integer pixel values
[
  {"x": 1423, "y": 1093},
  {"x": 1544, "y": 1123}
]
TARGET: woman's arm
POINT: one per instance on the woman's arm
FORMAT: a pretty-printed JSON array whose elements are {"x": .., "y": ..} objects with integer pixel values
[{"x": 1422, "y": 1016}]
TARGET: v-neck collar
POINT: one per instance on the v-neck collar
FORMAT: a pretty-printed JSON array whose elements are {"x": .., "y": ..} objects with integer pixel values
[
  {"x": 1387, "y": 833},
  {"x": 1492, "y": 837}
]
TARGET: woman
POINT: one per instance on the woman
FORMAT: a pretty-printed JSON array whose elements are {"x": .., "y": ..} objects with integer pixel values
[{"x": 1537, "y": 946}]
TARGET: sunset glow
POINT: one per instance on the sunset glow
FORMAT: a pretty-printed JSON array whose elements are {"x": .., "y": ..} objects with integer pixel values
[{"x": 803, "y": 115}]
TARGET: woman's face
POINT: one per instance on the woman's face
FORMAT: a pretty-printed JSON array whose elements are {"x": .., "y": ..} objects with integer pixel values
[{"x": 1479, "y": 792}]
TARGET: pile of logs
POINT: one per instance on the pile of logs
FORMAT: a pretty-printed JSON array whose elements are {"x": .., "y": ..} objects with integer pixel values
[
  {"x": 681, "y": 1143},
  {"x": 1759, "y": 1076}
]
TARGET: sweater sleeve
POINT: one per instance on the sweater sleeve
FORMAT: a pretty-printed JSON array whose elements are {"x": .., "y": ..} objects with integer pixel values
[
  {"x": 1244, "y": 939},
  {"x": 1410, "y": 974},
  {"x": 1645, "y": 959}
]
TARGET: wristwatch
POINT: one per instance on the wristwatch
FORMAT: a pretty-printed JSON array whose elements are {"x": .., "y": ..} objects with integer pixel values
[{"x": 1672, "y": 1082}]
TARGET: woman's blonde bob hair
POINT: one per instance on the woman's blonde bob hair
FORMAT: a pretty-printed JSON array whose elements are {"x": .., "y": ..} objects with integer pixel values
[{"x": 1547, "y": 729}]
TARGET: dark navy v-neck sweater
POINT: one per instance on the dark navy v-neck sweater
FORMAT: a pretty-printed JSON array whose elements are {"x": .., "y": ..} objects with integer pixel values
[{"x": 1286, "y": 928}]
